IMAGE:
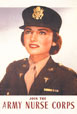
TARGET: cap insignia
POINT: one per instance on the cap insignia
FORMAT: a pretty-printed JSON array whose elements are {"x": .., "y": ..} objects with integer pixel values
[{"x": 38, "y": 13}]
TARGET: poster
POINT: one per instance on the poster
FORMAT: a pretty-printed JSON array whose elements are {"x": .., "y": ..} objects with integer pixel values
[{"x": 11, "y": 49}]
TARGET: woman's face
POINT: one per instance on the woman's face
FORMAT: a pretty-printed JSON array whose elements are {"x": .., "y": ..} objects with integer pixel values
[{"x": 38, "y": 40}]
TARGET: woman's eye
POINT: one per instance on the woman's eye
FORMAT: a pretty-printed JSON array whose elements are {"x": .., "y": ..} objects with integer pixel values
[
  {"x": 27, "y": 32},
  {"x": 43, "y": 33}
]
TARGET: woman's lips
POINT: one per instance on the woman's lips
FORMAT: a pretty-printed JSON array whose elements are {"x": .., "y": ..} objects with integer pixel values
[{"x": 33, "y": 45}]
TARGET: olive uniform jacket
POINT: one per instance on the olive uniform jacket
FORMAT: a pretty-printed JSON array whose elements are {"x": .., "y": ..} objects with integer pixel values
[{"x": 54, "y": 79}]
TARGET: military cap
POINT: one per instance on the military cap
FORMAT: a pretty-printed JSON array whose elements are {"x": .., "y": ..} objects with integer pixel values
[{"x": 41, "y": 16}]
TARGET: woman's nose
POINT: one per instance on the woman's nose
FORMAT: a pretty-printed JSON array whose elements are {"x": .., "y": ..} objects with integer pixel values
[{"x": 33, "y": 36}]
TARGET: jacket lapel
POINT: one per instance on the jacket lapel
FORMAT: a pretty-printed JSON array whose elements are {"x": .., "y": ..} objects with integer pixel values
[{"x": 21, "y": 70}]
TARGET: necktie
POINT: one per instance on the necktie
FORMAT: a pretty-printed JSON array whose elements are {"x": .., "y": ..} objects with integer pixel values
[{"x": 30, "y": 77}]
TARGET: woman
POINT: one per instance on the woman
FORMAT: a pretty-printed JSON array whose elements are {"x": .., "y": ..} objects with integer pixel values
[{"x": 39, "y": 75}]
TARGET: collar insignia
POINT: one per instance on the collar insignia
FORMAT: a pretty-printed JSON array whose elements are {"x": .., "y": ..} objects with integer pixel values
[
  {"x": 50, "y": 69},
  {"x": 38, "y": 13},
  {"x": 20, "y": 74},
  {"x": 24, "y": 65},
  {"x": 46, "y": 79}
]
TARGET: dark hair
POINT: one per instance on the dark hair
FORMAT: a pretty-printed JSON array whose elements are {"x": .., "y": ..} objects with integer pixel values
[{"x": 56, "y": 38}]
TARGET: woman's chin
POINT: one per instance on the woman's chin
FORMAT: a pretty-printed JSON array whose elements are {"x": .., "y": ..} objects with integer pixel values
[{"x": 34, "y": 53}]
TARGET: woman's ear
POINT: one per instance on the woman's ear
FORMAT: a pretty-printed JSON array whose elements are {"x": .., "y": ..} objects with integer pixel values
[{"x": 53, "y": 44}]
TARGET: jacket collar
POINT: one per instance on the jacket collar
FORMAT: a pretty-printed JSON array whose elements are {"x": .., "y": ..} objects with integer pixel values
[{"x": 43, "y": 77}]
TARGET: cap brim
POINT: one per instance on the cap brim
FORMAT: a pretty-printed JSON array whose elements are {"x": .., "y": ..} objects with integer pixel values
[{"x": 22, "y": 27}]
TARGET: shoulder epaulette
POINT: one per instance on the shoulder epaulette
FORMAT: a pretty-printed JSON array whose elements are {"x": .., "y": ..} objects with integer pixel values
[{"x": 65, "y": 68}]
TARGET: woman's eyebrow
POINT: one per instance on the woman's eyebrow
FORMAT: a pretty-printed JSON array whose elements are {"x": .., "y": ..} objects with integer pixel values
[{"x": 43, "y": 29}]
